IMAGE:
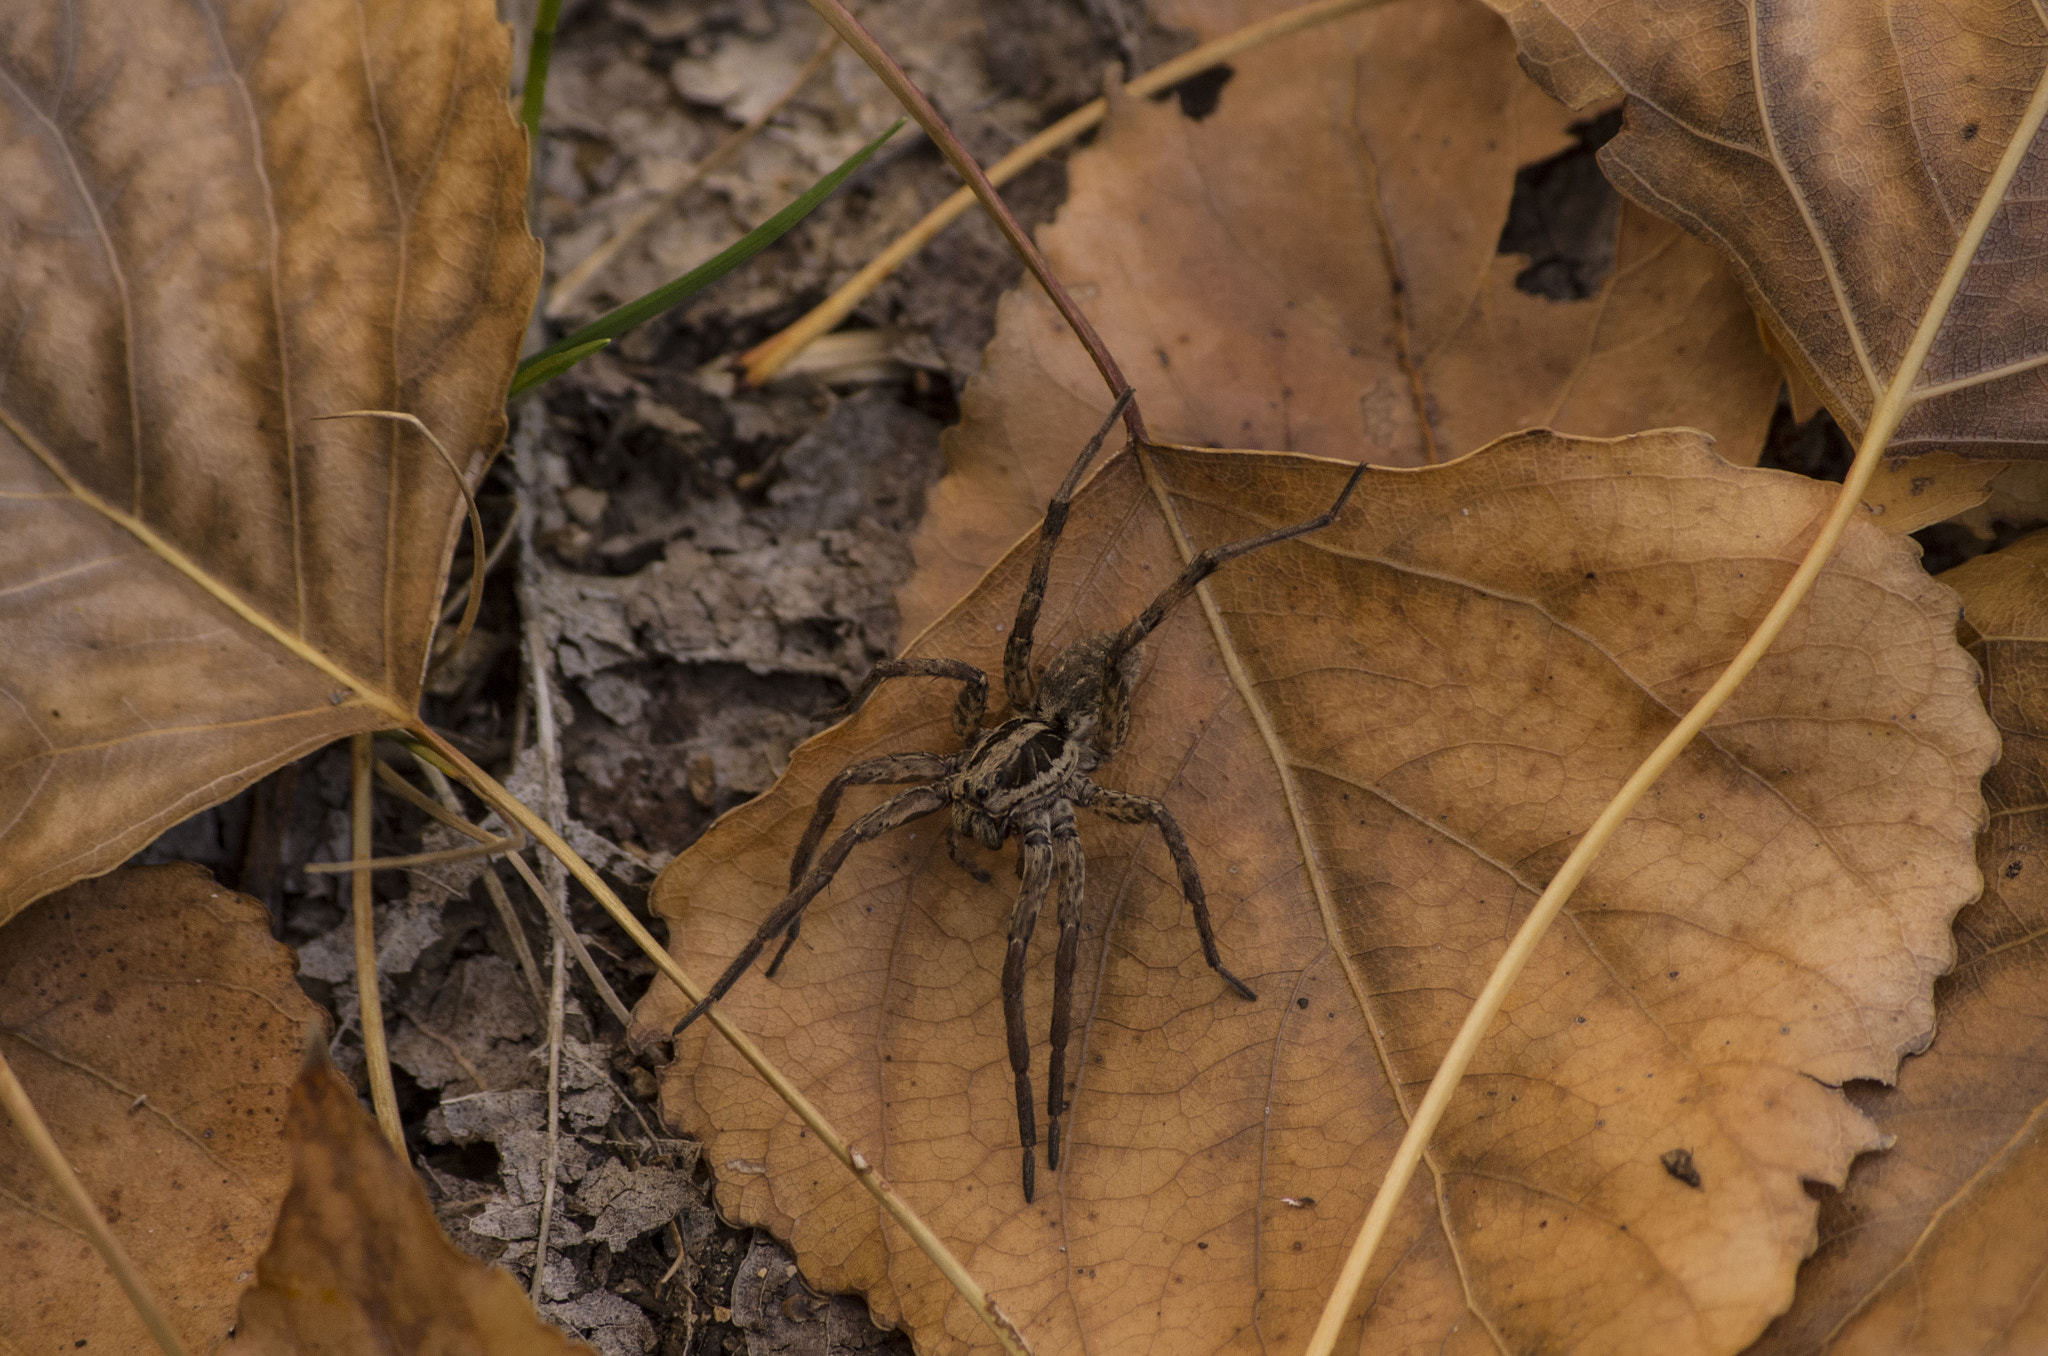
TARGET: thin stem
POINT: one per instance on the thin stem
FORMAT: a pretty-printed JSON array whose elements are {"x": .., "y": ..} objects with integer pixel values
[
  {"x": 370, "y": 1002},
  {"x": 494, "y": 887},
  {"x": 899, "y": 1210},
  {"x": 1899, "y": 397},
  {"x": 547, "y": 1194},
  {"x": 558, "y": 923},
  {"x": 14, "y": 1097},
  {"x": 764, "y": 360},
  {"x": 919, "y": 107}
]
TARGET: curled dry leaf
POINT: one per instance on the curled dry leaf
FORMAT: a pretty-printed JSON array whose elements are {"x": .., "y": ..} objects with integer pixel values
[
  {"x": 1835, "y": 153},
  {"x": 1315, "y": 267},
  {"x": 157, "y": 1027},
  {"x": 358, "y": 1262},
  {"x": 262, "y": 215},
  {"x": 1381, "y": 742},
  {"x": 1938, "y": 1245}
]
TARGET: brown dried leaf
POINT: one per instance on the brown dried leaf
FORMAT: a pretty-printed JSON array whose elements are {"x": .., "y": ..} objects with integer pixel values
[
  {"x": 1908, "y": 493},
  {"x": 261, "y": 215},
  {"x": 358, "y": 1263},
  {"x": 1835, "y": 153},
  {"x": 1314, "y": 268},
  {"x": 157, "y": 1027},
  {"x": 1938, "y": 1245},
  {"x": 1381, "y": 744}
]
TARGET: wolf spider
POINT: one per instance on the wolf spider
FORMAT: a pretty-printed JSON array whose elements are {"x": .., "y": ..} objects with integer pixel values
[{"x": 1024, "y": 777}]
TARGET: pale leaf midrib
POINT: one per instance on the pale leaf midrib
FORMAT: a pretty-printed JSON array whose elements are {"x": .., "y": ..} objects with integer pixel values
[
  {"x": 194, "y": 571},
  {"x": 1311, "y": 864}
]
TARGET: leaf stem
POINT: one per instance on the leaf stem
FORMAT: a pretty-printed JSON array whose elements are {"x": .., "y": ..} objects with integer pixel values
[
  {"x": 1898, "y": 399},
  {"x": 14, "y": 1098},
  {"x": 919, "y": 107},
  {"x": 369, "y": 998},
  {"x": 513, "y": 811},
  {"x": 770, "y": 356}
]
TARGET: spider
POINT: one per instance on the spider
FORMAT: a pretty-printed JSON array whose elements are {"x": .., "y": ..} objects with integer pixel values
[{"x": 1024, "y": 778}]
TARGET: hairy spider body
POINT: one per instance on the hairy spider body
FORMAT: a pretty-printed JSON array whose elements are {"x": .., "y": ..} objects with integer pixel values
[{"x": 1024, "y": 779}]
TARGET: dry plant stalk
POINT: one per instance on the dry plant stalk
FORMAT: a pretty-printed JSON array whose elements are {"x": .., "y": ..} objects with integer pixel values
[
  {"x": 14, "y": 1100},
  {"x": 763, "y": 361},
  {"x": 370, "y": 1001},
  {"x": 1898, "y": 399},
  {"x": 919, "y": 107}
]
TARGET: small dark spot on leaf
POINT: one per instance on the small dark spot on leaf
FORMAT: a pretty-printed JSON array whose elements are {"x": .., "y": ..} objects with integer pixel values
[
  {"x": 1678, "y": 1162},
  {"x": 1969, "y": 131},
  {"x": 1301, "y": 1003},
  {"x": 2012, "y": 870}
]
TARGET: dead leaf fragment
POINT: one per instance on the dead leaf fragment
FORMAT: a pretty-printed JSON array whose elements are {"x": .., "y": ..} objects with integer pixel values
[
  {"x": 358, "y": 1263},
  {"x": 1834, "y": 153},
  {"x": 1909, "y": 493},
  {"x": 157, "y": 1027},
  {"x": 260, "y": 216},
  {"x": 1937, "y": 1244},
  {"x": 1381, "y": 742},
  {"x": 1315, "y": 267}
]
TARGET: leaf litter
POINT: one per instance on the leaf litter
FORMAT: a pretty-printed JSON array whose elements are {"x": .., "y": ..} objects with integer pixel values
[
  {"x": 1387, "y": 716},
  {"x": 666, "y": 411}
]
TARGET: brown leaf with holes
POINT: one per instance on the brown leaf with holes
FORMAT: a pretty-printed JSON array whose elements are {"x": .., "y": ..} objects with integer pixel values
[
  {"x": 261, "y": 215},
  {"x": 359, "y": 1264},
  {"x": 157, "y": 1027},
  {"x": 1315, "y": 267},
  {"x": 1938, "y": 1244},
  {"x": 1834, "y": 152},
  {"x": 1381, "y": 742}
]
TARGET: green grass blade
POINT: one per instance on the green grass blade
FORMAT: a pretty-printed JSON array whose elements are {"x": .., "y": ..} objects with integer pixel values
[
  {"x": 539, "y": 52},
  {"x": 553, "y": 364},
  {"x": 616, "y": 323}
]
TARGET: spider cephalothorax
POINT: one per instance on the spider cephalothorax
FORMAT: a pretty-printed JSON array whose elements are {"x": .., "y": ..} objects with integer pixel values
[{"x": 1022, "y": 779}]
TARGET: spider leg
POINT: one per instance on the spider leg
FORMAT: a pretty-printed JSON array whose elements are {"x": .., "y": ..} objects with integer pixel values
[
  {"x": 1126, "y": 808},
  {"x": 1116, "y": 682},
  {"x": 967, "y": 710},
  {"x": 1017, "y": 679},
  {"x": 1072, "y": 864},
  {"x": 958, "y": 851},
  {"x": 896, "y": 768},
  {"x": 893, "y": 813},
  {"x": 1036, "y": 854}
]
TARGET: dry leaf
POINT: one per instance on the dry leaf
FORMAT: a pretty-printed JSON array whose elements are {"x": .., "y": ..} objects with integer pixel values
[
  {"x": 1938, "y": 1244},
  {"x": 157, "y": 1027},
  {"x": 1381, "y": 745},
  {"x": 1835, "y": 152},
  {"x": 358, "y": 1263},
  {"x": 1909, "y": 493},
  {"x": 261, "y": 215},
  {"x": 1314, "y": 267}
]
